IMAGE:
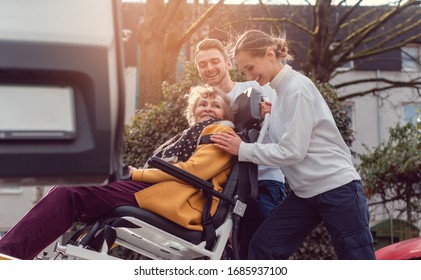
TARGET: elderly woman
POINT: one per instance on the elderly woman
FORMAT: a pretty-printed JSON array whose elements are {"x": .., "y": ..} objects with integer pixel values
[{"x": 208, "y": 112}]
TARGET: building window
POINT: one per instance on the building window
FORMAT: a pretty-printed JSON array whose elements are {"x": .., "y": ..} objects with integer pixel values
[
  {"x": 412, "y": 113},
  {"x": 10, "y": 190},
  {"x": 410, "y": 58},
  {"x": 346, "y": 66}
]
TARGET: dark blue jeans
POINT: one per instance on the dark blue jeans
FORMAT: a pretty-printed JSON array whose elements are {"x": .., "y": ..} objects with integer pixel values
[
  {"x": 270, "y": 194},
  {"x": 344, "y": 211}
]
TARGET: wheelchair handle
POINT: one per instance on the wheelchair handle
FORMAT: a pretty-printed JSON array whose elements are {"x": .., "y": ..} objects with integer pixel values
[{"x": 265, "y": 124}]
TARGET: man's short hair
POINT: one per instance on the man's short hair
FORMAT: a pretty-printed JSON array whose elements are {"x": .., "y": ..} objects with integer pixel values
[{"x": 210, "y": 43}]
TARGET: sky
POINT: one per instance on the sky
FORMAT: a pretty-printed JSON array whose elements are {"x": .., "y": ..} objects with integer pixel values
[
  {"x": 302, "y": 2},
  {"x": 293, "y": 2}
]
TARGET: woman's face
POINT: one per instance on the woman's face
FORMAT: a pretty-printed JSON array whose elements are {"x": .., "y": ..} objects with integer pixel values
[
  {"x": 259, "y": 68},
  {"x": 208, "y": 108}
]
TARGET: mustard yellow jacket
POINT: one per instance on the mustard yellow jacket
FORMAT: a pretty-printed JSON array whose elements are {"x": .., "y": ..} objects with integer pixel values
[{"x": 178, "y": 201}]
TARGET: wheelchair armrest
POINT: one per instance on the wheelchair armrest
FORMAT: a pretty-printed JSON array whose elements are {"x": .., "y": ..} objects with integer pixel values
[{"x": 187, "y": 177}]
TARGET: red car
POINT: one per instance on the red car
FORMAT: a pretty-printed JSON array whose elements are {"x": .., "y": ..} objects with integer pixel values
[{"x": 409, "y": 249}]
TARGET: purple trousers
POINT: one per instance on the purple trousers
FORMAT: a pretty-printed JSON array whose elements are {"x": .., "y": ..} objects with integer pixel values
[{"x": 59, "y": 209}]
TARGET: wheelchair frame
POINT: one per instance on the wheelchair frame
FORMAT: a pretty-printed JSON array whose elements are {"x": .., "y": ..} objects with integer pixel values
[{"x": 155, "y": 237}]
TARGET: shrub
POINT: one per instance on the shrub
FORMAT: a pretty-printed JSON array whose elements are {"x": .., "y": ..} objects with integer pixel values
[
  {"x": 392, "y": 171},
  {"x": 155, "y": 124}
]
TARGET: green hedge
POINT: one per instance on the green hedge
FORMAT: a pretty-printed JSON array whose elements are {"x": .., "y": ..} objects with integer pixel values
[{"x": 155, "y": 124}]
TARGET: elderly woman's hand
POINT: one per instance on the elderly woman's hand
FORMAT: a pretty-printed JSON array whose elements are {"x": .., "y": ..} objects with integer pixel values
[
  {"x": 227, "y": 141},
  {"x": 131, "y": 170}
]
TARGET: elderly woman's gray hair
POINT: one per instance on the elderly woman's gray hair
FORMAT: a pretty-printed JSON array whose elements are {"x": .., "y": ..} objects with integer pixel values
[{"x": 205, "y": 91}]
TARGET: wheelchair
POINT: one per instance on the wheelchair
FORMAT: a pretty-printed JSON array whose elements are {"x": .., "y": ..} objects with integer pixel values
[{"x": 154, "y": 237}]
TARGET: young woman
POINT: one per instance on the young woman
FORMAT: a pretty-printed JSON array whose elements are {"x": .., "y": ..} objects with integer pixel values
[
  {"x": 148, "y": 188},
  {"x": 309, "y": 148}
]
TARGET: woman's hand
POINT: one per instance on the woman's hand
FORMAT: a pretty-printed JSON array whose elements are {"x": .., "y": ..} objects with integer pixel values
[
  {"x": 131, "y": 170},
  {"x": 227, "y": 141},
  {"x": 265, "y": 107}
]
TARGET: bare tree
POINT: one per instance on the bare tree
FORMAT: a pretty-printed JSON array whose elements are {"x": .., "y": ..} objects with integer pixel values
[
  {"x": 165, "y": 28},
  {"x": 335, "y": 35}
]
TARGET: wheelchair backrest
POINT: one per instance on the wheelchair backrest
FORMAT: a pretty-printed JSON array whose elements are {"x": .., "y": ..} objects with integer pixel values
[
  {"x": 247, "y": 110},
  {"x": 247, "y": 121}
]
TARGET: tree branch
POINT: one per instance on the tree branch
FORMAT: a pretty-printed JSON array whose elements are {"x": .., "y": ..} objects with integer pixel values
[
  {"x": 282, "y": 19},
  {"x": 378, "y": 89},
  {"x": 416, "y": 81},
  {"x": 170, "y": 10},
  {"x": 199, "y": 22},
  {"x": 358, "y": 36},
  {"x": 268, "y": 14}
]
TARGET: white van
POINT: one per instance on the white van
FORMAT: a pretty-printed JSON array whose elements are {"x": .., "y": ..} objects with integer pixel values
[{"x": 61, "y": 92}]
